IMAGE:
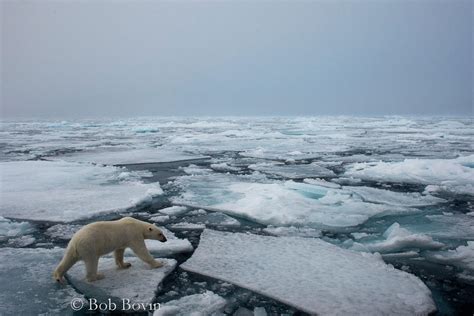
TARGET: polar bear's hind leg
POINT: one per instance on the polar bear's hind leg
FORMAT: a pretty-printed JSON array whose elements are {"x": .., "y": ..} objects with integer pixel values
[
  {"x": 92, "y": 264},
  {"x": 118, "y": 253}
]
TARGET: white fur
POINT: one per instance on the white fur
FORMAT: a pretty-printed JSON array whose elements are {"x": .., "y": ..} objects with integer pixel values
[{"x": 97, "y": 239}]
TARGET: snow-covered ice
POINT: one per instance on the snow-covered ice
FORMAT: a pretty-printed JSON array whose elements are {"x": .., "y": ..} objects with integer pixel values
[
  {"x": 62, "y": 231},
  {"x": 27, "y": 287},
  {"x": 207, "y": 303},
  {"x": 173, "y": 245},
  {"x": 293, "y": 171},
  {"x": 137, "y": 283},
  {"x": 65, "y": 191},
  {"x": 129, "y": 156},
  {"x": 462, "y": 257},
  {"x": 310, "y": 274},
  {"x": 453, "y": 175},
  {"x": 281, "y": 203},
  {"x": 292, "y": 231},
  {"x": 394, "y": 198},
  {"x": 398, "y": 238},
  {"x": 173, "y": 210},
  {"x": 10, "y": 228}
]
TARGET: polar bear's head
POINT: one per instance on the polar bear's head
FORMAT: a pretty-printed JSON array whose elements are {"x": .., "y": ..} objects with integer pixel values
[{"x": 153, "y": 232}]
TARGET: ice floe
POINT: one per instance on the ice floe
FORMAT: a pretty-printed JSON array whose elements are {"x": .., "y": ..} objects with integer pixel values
[
  {"x": 462, "y": 257},
  {"x": 309, "y": 274},
  {"x": 174, "y": 210},
  {"x": 137, "y": 283},
  {"x": 129, "y": 156},
  {"x": 398, "y": 239},
  {"x": 453, "y": 175},
  {"x": 293, "y": 171},
  {"x": 172, "y": 246},
  {"x": 32, "y": 290},
  {"x": 279, "y": 203},
  {"x": 292, "y": 231},
  {"x": 410, "y": 199},
  {"x": 10, "y": 228},
  {"x": 62, "y": 231},
  {"x": 65, "y": 191},
  {"x": 207, "y": 303}
]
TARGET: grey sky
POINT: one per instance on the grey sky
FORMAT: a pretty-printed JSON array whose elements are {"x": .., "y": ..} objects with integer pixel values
[{"x": 88, "y": 58}]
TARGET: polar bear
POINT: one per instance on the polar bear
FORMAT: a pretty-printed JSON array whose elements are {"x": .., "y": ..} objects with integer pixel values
[{"x": 100, "y": 238}]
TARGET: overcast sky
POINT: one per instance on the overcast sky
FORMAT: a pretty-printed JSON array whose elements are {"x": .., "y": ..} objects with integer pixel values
[{"x": 132, "y": 58}]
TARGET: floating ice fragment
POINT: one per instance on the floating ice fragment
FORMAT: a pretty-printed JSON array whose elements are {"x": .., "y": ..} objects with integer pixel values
[
  {"x": 309, "y": 274},
  {"x": 293, "y": 171},
  {"x": 61, "y": 231},
  {"x": 394, "y": 198},
  {"x": 10, "y": 228},
  {"x": 129, "y": 156},
  {"x": 173, "y": 245},
  {"x": 32, "y": 290},
  {"x": 203, "y": 304},
  {"x": 397, "y": 239},
  {"x": 137, "y": 283},
  {"x": 65, "y": 191},
  {"x": 449, "y": 174},
  {"x": 279, "y": 203},
  {"x": 174, "y": 210}
]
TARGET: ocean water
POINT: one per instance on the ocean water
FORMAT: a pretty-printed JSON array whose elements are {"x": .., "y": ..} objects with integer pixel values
[{"x": 401, "y": 188}]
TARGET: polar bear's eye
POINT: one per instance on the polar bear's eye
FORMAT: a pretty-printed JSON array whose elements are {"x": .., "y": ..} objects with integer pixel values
[{"x": 150, "y": 229}]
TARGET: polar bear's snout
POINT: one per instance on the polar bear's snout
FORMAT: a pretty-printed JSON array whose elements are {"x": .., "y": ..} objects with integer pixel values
[{"x": 155, "y": 233}]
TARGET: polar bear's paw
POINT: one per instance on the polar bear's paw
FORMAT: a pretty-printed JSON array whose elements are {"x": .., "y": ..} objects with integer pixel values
[
  {"x": 125, "y": 265},
  {"x": 98, "y": 276},
  {"x": 156, "y": 264}
]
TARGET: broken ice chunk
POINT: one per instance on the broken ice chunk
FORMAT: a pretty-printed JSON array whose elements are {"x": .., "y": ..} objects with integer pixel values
[
  {"x": 293, "y": 171},
  {"x": 173, "y": 245},
  {"x": 397, "y": 239},
  {"x": 10, "y": 228},
  {"x": 174, "y": 210},
  {"x": 203, "y": 304},
  {"x": 310, "y": 274},
  {"x": 32, "y": 290},
  {"x": 137, "y": 283},
  {"x": 451, "y": 175},
  {"x": 65, "y": 191}
]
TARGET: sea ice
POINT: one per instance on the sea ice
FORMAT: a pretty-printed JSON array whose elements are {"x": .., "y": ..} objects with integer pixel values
[
  {"x": 174, "y": 210},
  {"x": 31, "y": 289},
  {"x": 137, "y": 283},
  {"x": 310, "y": 274},
  {"x": 172, "y": 246},
  {"x": 397, "y": 239},
  {"x": 279, "y": 203},
  {"x": 462, "y": 257},
  {"x": 411, "y": 199},
  {"x": 160, "y": 218},
  {"x": 126, "y": 156},
  {"x": 65, "y": 191},
  {"x": 10, "y": 228},
  {"x": 207, "y": 303},
  {"x": 62, "y": 231},
  {"x": 293, "y": 171},
  {"x": 292, "y": 231},
  {"x": 453, "y": 175}
]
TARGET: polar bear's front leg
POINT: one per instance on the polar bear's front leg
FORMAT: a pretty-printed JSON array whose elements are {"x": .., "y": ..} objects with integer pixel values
[
  {"x": 140, "y": 250},
  {"x": 92, "y": 264},
  {"x": 118, "y": 253}
]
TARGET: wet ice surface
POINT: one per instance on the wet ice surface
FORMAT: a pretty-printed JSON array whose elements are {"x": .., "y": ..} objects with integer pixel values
[
  {"x": 400, "y": 186},
  {"x": 136, "y": 284},
  {"x": 310, "y": 274}
]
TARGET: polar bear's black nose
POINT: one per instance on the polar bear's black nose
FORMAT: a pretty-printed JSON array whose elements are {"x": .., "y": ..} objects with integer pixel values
[{"x": 164, "y": 239}]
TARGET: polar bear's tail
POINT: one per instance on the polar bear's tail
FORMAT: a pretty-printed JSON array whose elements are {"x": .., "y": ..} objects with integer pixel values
[{"x": 69, "y": 259}]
